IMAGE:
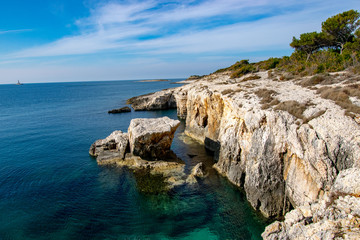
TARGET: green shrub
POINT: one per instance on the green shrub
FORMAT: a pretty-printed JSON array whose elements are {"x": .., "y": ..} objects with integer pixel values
[
  {"x": 245, "y": 69},
  {"x": 268, "y": 64}
]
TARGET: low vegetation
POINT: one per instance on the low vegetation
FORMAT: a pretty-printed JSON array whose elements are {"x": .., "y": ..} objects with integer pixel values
[
  {"x": 341, "y": 96},
  {"x": 267, "y": 98},
  {"x": 335, "y": 48},
  {"x": 294, "y": 108},
  {"x": 251, "y": 77}
]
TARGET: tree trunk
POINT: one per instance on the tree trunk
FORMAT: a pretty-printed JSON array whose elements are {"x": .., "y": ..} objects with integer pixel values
[{"x": 341, "y": 48}]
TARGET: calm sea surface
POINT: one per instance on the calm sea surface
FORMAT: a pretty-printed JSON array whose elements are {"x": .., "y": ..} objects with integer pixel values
[{"x": 50, "y": 188}]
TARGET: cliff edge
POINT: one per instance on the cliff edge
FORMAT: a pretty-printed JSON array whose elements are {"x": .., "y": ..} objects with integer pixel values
[{"x": 283, "y": 140}]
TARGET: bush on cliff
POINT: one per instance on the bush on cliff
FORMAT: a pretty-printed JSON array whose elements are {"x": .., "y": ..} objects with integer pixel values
[{"x": 335, "y": 48}]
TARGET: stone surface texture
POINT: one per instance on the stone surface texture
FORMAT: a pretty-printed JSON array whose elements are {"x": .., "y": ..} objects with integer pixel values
[
  {"x": 151, "y": 138},
  {"x": 336, "y": 216},
  {"x": 198, "y": 171},
  {"x": 110, "y": 148},
  {"x": 280, "y": 160},
  {"x": 155, "y": 101},
  {"x": 147, "y": 138},
  {"x": 120, "y": 110}
]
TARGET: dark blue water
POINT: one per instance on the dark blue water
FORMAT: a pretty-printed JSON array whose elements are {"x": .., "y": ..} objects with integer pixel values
[{"x": 50, "y": 188}]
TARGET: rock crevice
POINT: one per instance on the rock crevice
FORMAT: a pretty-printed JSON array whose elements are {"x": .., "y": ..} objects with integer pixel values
[{"x": 280, "y": 159}]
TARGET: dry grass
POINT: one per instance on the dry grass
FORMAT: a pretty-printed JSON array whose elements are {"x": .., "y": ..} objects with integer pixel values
[
  {"x": 316, "y": 115},
  {"x": 324, "y": 79},
  {"x": 251, "y": 77},
  {"x": 340, "y": 95},
  {"x": 227, "y": 91},
  {"x": 230, "y": 91},
  {"x": 352, "y": 79},
  {"x": 267, "y": 98},
  {"x": 294, "y": 108}
]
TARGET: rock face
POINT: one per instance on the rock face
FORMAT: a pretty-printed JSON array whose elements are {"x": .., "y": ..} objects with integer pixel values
[
  {"x": 197, "y": 172},
  {"x": 281, "y": 158},
  {"x": 151, "y": 138},
  {"x": 145, "y": 148},
  {"x": 154, "y": 101},
  {"x": 111, "y": 148},
  {"x": 120, "y": 110},
  {"x": 336, "y": 216}
]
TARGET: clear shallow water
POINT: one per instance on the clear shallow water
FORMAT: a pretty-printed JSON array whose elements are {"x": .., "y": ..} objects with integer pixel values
[{"x": 50, "y": 188}]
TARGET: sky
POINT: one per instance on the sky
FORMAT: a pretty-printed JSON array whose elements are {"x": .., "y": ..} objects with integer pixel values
[{"x": 92, "y": 40}]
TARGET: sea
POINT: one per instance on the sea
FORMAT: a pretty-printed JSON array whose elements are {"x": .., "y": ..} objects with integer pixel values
[{"x": 50, "y": 188}]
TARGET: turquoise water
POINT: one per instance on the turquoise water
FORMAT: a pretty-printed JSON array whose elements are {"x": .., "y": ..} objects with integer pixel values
[{"x": 50, "y": 188}]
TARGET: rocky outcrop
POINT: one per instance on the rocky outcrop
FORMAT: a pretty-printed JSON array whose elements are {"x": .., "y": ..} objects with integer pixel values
[
  {"x": 337, "y": 215},
  {"x": 172, "y": 169},
  {"x": 110, "y": 149},
  {"x": 145, "y": 147},
  {"x": 283, "y": 143},
  {"x": 120, "y": 110},
  {"x": 197, "y": 172},
  {"x": 280, "y": 160},
  {"x": 151, "y": 138},
  {"x": 165, "y": 99},
  {"x": 153, "y": 101}
]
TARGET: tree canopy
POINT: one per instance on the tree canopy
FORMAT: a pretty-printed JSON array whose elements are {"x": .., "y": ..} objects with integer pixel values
[
  {"x": 308, "y": 43},
  {"x": 340, "y": 28},
  {"x": 335, "y": 32}
]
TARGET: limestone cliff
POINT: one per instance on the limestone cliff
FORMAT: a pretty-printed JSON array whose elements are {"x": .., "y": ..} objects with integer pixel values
[
  {"x": 283, "y": 141},
  {"x": 336, "y": 216}
]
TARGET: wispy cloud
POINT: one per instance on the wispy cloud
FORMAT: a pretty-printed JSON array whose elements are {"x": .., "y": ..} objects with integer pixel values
[
  {"x": 14, "y": 31},
  {"x": 160, "y": 27}
]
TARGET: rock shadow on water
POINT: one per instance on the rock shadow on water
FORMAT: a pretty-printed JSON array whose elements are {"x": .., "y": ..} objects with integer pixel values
[
  {"x": 148, "y": 183},
  {"x": 179, "y": 212}
]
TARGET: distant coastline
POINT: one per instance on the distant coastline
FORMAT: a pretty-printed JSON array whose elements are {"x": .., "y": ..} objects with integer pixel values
[{"x": 154, "y": 80}]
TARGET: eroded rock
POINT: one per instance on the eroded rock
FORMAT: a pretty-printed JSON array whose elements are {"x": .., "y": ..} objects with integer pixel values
[
  {"x": 113, "y": 147},
  {"x": 198, "y": 171},
  {"x": 347, "y": 182},
  {"x": 337, "y": 215},
  {"x": 151, "y": 138},
  {"x": 154, "y": 101},
  {"x": 120, "y": 110}
]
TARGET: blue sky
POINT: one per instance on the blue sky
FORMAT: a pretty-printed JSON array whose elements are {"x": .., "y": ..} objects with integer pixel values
[{"x": 74, "y": 40}]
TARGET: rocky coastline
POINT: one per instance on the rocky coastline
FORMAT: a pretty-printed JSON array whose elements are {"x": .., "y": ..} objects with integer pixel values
[
  {"x": 145, "y": 149},
  {"x": 280, "y": 139}
]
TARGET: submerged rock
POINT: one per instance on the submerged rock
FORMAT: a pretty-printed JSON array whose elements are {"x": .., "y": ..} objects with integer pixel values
[
  {"x": 172, "y": 171},
  {"x": 197, "y": 172},
  {"x": 151, "y": 138},
  {"x": 120, "y": 110},
  {"x": 148, "y": 151}
]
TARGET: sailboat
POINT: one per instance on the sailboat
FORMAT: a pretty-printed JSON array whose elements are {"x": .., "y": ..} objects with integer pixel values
[{"x": 19, "y": 83}]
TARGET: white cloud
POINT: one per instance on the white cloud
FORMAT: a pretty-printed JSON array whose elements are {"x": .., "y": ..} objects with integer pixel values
[
  {"x": 121, "y": 27},
  {"x": 14, "y": 31},
  {"x": 140, "y": 30}
]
